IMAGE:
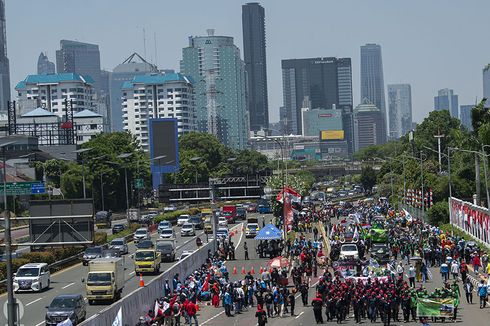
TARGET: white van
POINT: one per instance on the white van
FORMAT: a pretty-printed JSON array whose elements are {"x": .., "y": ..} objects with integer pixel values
[{"x": 32, "y": 277}]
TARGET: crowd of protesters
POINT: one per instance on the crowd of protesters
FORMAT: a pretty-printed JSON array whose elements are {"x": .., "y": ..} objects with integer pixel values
[{"x": 414, "y": 246}]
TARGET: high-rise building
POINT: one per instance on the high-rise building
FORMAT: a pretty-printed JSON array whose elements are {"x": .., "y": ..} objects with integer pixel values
[
  {"x": 369, "y": 126},
  {"x": 80, "y": 58},
  {"x": 486, "y": 83},
  {"x": 157, "y": 96},
  {"x": 465, "y": 115},
  {"x": 446, "y": 100},
  {"x": 372, "y": 80},
  {"x": 321, "y": 82},
  {"x": 214, "y": 64},
  {"x": 4, "y": 61},
  {"x": 399, "y": 109},
  {"x": 44, "y": 66},
  {"x": 51, "y": 91},
  {"x": 253, "y": 24},
  {"x": 133, "y": 66}
]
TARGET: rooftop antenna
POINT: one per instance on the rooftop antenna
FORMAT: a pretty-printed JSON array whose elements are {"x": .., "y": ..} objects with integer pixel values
[
  {"x": 155, "y": 41},
  {"x": 144, "y": 42}
]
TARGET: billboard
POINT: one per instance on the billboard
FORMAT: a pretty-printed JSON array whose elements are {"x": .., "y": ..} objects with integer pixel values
[
  {"x": 58, "y": 222},
  {"x": 332, "y": 135},
  {"x": 164, "y": 148}
]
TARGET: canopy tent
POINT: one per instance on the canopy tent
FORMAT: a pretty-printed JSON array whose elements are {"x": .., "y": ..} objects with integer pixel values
[{"x": 269, "y": 232}]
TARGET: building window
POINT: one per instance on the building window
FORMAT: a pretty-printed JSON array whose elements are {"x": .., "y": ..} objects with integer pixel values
[
  {"x": 79, "y": 138},
  {"x": 93, "y": 126}
]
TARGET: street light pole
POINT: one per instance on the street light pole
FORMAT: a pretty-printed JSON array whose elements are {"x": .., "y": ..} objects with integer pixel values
[
  {"x": 102, "y": 190},
  {"x": 81, "y": 151},
  {"x": 11, "y": 302}
]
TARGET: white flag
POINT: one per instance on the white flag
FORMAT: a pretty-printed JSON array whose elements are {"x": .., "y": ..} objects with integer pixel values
[
  {"x": 66, "y": 322},
  {"x": 118, "y": 320}
]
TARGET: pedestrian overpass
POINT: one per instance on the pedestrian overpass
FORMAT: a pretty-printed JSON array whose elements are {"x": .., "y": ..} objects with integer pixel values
[{"x": 227, "y": 188}]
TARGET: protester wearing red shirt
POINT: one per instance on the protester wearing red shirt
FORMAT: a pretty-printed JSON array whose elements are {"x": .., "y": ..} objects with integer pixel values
[{"x": 191, "y": 309}]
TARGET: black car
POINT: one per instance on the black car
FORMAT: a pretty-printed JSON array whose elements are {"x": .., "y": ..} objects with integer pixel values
[
  {"x": 197, "y": 222},
  {"x": 241, "y": 213},
  {"x": 380, "y": 252},
  {"x": 145, "y": 244},
  {"x": 111, "y": 253},
  {"x": 91, "y": 253},
  {"x": 118, "y": 228},
  {"x": 66, "y": 306}
]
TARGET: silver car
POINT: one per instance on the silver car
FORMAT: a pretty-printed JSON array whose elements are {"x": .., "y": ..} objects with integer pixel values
[{"x": 120, "y": 245}]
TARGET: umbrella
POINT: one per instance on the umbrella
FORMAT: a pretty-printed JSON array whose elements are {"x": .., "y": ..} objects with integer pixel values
[{"x": 278, "y": 262}]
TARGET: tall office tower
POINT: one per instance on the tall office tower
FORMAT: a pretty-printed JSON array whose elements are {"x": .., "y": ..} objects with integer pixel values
[
  {"x": 325, "y": 82},
  {"x": 465, "y": 115},
  {"x": 214, "y": 64},
  {"x": 372, "y": 81},
  {"x": 486, "y": 83},
  {"x": 81, "y": 58},
  {"x": 369, "y": 125},
  {"x": 446, "y": 100},
  {"x": 399, "y": 109},
  {"x": 4, "y": 61},
  {"x": 133, "y": 66},
  {"x": 253, "y": 24},
  {"x": 157, "y": 96},
  {"x": 44, "y": 66}
]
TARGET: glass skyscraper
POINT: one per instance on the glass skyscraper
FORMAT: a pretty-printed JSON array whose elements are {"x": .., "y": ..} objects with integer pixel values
[
  {"x": 399, "y": 109},
  {"x": 4, "y": 61},
  {"x": 486, "y": 84},
  {"x": 44, "y": 66},
  {"x": 446, "y": 100},
  {"x": 372, "y": 80},
  {"x": 218, "y": 73},
  {"x": 316, "y": 82},
  {"x": 254, "y": 55},
  {"x": 465, "y": 115}
]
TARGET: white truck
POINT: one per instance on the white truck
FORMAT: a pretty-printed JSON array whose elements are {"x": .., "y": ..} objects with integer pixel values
[
  {"x": 105, "y": 279},
  {"x": 133, "y": 215}
]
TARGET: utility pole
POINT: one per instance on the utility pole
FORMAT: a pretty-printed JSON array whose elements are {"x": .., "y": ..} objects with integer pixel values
[
  {"x": 477, "y": 180},
  {"x": 439, "y": 136}
]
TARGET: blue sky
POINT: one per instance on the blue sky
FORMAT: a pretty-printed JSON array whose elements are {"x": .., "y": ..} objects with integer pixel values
[{"x": 431, "y": 44}]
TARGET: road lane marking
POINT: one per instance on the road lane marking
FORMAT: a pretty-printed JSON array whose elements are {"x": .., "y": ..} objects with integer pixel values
[
  {"x": 68, "y": 285},
  {"x": 207, "y": 321},
  {"x": 133, "y": 272},
  {"x": 299, "y": 315},
  {"x": 41, "y": 323},
  {"x": 27, "y": 304}
]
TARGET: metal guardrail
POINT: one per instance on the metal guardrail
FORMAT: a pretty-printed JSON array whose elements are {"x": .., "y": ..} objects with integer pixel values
[{"x": 61, "y": 264}]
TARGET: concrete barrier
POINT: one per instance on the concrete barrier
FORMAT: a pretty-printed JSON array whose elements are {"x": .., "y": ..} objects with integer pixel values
[{"x": 141, "y": 300}]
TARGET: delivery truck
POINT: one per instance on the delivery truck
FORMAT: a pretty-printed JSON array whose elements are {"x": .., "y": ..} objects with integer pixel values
[{"x": 105, "y": 279}]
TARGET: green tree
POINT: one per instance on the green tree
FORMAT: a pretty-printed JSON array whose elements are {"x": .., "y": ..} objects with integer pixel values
[
  {"x": 439, "y": 213},
  {"x": 368, "y": 178},
  {"x": 103, "y": 159}
]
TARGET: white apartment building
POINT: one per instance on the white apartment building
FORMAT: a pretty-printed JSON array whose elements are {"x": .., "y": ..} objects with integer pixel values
[
  {"x": 49, "y": 91},
  {"x": 148, "y": 96}
]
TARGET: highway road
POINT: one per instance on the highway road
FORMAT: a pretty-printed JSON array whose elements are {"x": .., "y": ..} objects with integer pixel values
[{"x": 68, "y": 281}]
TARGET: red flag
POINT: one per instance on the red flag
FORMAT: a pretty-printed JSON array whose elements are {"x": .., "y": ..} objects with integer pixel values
[
  {"x": 205, "y": 285},
  {"x": 295, "y": 196}
]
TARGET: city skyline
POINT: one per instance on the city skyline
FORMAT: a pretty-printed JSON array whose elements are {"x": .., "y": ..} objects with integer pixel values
[{"x": 403, "y": 61}]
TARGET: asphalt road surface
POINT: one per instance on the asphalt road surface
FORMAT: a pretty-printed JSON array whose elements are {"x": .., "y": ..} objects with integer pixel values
[{"x": 68, "y": 281}]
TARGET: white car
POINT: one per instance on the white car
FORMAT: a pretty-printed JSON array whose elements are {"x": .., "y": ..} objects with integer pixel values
[
  {"x": 167, "y": 234},
  {"x": 222, "y": 221},
  {"x": 349, "y": 251},
  {"x": 170, "y": 208},
  {"x": 32, "y": 277},
  {"x": 141, "y": 234},
  {"x": 187, "y": 230},
  {"x": 185, "y": 253},
  {"x": 222, "y": 232},
  {"x": 183, "y": 219}
]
